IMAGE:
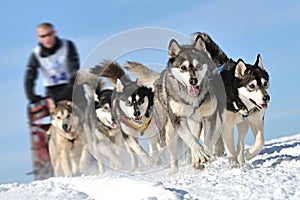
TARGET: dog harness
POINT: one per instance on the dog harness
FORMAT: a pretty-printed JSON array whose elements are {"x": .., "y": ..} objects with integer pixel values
[
  {"x": 221, "y": 68},
  {"x": 245, "y": 114},
  {"x": 140, "y": 129}
]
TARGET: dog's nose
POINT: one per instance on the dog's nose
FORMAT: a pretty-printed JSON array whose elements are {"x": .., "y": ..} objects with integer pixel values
[
  {"x": 193, "y": 81},
  {"x": 65, "y": 127},
  {"x": 266, "y": 98},
  {"x": 137, "y": 113}
]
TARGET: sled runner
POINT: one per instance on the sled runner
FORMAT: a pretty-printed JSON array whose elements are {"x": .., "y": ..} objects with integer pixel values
[{"x": 39, "y": 125}]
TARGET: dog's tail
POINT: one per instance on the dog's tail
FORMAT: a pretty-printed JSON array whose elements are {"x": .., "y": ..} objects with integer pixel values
[
  {"x": 217, "y": 54},
  {"x": 93, "y": 82},
  {"x": 111, "y": 70},
  {"x": 144, "y": 75}
]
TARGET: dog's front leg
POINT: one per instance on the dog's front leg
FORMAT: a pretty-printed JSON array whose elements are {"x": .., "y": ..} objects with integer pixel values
[
  {"x": 258, "y": 132},
  {"x": 136, "y": 147},
  {"x": 228, "y": 136},
  {"x": 57, "y": 169},
  {"x": 84, "y": 160},
  {"x": 199, "y": 155},
  {"x": 106, "y": 150},
  {"x": 172, "y": 145},
  {"x": 242, "y": 131},
  {"x": 66, "y": 163},
  {"x": 153, "y": 150}
]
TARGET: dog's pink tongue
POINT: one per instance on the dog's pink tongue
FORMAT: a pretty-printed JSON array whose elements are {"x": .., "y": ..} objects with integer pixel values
[
  {"x": 264, "y": 106},
  {"x": 193, "y": 91},
  {"x": 113, "y": 125}
]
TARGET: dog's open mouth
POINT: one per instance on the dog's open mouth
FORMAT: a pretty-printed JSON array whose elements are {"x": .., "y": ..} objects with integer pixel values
[
  {"x": 193, "y": 90},
  {"x": 113, "y": 125},
  {"x": 67, "y": 129},
  {"x": 263, "y": 106},
  {"x": 137, "y": 119}
]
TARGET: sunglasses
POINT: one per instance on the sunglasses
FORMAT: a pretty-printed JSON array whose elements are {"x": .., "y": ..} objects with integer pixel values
[{"x": 46, "y": 35}]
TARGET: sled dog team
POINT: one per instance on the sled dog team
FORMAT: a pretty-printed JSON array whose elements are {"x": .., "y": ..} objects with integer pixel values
[{"x": 200, "y": 94}]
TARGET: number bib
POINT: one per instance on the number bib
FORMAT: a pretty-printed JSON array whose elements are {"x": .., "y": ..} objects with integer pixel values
[{"x": 54, "y": 67}]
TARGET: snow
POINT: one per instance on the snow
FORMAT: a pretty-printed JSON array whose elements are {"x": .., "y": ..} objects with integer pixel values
[{"x": 273, "y": 174}]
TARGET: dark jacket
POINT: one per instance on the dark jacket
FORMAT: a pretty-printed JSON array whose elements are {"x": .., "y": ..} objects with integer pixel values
[{"x": 33, "y": 64}]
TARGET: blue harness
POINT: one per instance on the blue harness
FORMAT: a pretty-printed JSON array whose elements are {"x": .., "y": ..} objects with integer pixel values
[{"x": 221, "y": 68}]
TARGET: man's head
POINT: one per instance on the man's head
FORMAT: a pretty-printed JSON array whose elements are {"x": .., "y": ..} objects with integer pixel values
[{"x": 46, "y": 34}]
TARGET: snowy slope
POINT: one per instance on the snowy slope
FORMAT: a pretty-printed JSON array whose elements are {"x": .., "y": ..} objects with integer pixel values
[{"x": 274, "y": 174}]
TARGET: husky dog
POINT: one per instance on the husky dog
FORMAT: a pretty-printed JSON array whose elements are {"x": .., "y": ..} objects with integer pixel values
[
  {"x": 97, "y": 125},
  {"x": 183, "y": 99},
  {"x": 65, "y": 145},
  {"x": 132, "y": 111},
  {"x": 247, "y": 99},
  {"x": 106, "y": 123}
]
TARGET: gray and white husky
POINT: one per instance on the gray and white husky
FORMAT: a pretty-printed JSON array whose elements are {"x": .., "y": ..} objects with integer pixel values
[
  {"x": 132, "y": 111},
  {"x": 247, "y": 99},
  {"x": 185, "y": 99},
  {"x": 96, "y": 122}
]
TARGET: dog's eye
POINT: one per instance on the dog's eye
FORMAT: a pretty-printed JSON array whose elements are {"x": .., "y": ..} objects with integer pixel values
[
  {"x": 128, "y": 103},
  {"x": 68, "y": 116},
  {"x": 58, "y": 117},
  {"x": 266, "y": 84},
  {"x": 251, "y": 86},
  {"x": 183, "y": 67},
  {"x": 140, "y": 102},
  {"x": 105, "y": 109}
]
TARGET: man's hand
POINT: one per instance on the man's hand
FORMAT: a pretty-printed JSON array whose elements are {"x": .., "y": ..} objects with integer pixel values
[{"x": 35, "y": 98}]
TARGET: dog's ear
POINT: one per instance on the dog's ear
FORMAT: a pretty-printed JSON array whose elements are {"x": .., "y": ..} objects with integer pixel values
[
  {"x": 51, "y": 105},
  {"x": 119, "y": 86},
  {"x": 259, "y": 62},
  {"x": 200, "y": 45},
  {"x": 240, "y": 69},
  {"x": 69, "y": 103},
  {"x": 174, "y": 48}
]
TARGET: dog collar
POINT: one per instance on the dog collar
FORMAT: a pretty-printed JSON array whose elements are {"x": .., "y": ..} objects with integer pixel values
[
  {"x": 72, "y": 141},
  {"x": 140, "y": 129},
  {"x": 245, "y": 114},
  {"x": 104, "y": 130}
]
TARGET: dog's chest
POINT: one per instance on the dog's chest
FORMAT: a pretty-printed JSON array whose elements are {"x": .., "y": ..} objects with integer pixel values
[
  {"x": 180, "y": 108},
  {"x": 237, "y": 117}
]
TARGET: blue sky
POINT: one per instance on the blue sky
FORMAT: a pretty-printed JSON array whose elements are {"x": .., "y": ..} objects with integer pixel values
[{"x": 242, "y": 29}]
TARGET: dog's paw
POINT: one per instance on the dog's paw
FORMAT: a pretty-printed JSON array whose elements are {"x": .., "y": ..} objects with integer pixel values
[
  {"x": 218, "y": 151},
  {"x": 233, "y": 163},
  {"x": 147, "y": 160},
  {"x": 156, "y": 159},
  {"x": 173, "y": 170},
  {"x": 249, "y": 155},
  {"x": 199, "y": 156},
  {"x": 116, "y": 164}
]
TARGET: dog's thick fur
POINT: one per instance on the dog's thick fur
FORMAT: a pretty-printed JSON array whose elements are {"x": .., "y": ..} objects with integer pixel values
[
  {"x": 247, "y": 98},
  {"x": 97, "y": 129},
  {"x": 185, "y": 100},
  {"x": 65, "y": 145},
  {"x": 132, "y": 111}
]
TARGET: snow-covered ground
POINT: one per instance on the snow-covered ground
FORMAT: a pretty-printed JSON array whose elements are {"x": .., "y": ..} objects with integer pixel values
[{"x": 274, "y": 174}]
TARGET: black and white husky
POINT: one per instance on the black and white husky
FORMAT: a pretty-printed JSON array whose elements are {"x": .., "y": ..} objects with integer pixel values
[
  {"x": 96, "y": 122},
  {"x": 132, "y": 111},
  {"x": 247, "y": 99},
  {"x": 103, "y": 109},
  {"x": 184, "y": 100}
]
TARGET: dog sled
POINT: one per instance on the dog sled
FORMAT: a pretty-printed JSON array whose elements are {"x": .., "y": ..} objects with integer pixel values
[{"x": 39, "y": 123}]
